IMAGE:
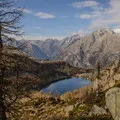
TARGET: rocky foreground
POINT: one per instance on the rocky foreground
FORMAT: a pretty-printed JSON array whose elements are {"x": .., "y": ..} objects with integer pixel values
[{"x": 99, "y": 101}]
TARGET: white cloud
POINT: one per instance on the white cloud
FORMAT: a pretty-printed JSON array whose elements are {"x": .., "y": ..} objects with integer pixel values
[
  {"x": 106, "y": 16},
  {"x": 81, "y": 32},
  {"x": 101, "y": 16},
  {"x": 85, "y": 4},
  {"x": 85, "y": 16},
  {"x": 43, "y": 15},
  {"x": 27, "y": 11}
]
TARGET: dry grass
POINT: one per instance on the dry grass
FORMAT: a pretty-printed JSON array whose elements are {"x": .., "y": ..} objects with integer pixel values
[{"x": 80, "y": 95}]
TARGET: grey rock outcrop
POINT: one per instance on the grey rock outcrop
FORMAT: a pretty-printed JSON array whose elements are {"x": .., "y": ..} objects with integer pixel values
[
  {"x": 97, "y": 111},
  {"x": 102, "y": 45},
  {"x": 113, "y": 102},
  {"x": 109, "y": 77},
  {"x": 69, "y": 108},
  {"x": 46, "y": 49},
  {"x": 41, "y": 49}
]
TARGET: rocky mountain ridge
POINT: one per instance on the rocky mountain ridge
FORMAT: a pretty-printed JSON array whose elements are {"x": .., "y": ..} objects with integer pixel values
[
  {"x": 102, "y": 45},
  {"x": 47, "y": 49},
  {"x": 80, "y": 51}
]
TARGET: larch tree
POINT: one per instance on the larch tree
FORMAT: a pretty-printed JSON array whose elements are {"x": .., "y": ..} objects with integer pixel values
[{"x": 10, "y": 16}]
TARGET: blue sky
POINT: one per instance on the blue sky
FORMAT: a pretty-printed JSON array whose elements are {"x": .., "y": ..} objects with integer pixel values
[{"x": 59, "y": 18}]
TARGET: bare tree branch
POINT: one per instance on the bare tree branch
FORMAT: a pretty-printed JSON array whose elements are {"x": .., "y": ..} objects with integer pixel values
[{"x": 10, "y": 17}]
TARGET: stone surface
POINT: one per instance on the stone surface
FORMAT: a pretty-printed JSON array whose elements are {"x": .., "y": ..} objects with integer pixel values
[
  {"x": 97, "y": 111},
  {"x": 69, "y": 108},
  {"x": 117, "y": 77},
  {"x": 108, "y": 78},
  {"x": 102, "y": 45},
  {"x": 113, "y": 102}
]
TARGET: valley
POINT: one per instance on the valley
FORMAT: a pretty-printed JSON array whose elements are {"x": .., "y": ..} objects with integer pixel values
[
  {"x": 89, "y": 102},
  {"x": 59, "y": 60},
  {"x": 35, "y": 78},
  {"x": 76, "y": 104}
]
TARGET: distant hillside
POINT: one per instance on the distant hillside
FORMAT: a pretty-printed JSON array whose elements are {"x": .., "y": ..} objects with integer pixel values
[
  {"x": 32, "y": 73},
  {"x": 47, "y": 49},
  {"x": 41, "y": 49}
]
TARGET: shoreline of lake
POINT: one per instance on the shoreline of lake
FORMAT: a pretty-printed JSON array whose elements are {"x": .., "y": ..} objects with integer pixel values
[{"x": 66, "y": 85}]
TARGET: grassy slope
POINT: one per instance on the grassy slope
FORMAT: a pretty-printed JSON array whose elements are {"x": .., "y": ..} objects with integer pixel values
[
  {"x": 31, "y": 73},
  {"x": 34, "y": 73}
]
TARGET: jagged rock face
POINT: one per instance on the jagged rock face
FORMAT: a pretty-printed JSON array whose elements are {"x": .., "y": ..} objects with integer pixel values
[
  {"x": 69, "y": 41},
  {"x": 109, "y": 77},
  {"x": 97, "y": 111},
  {"x": 37, "y": 53},
  {"x": 48, "y": 48},
  {"x": 32, "y": 49},
  {"x": 113, "y": 102},
  {"x": 102, "y": 45},
  {"x": 41, "y": 49}
]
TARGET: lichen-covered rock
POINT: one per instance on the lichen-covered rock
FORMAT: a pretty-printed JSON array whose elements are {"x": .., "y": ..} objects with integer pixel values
[
  {"x": 108, "y": 84},
  {"x": 117, "y": 77},
  {"x": 69, "y": 108},
  {"x": 113, "y": 102},
  {"x": 97, "y": 111}
]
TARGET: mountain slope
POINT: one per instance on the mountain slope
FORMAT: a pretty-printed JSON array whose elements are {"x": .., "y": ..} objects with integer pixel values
[
  {"x": 41, "y": 49},
  {"x": 48, "y": 48},
  {"x": 102, "y": 45},
  {"x": 69, "y": 40},
  {"x": 31, "y": 73},
  {"x": 51, "y": 47},
  {"x": 32, "y": 49}
]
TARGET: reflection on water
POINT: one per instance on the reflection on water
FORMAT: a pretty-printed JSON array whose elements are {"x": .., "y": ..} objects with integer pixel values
[{"x": 66, "y": 85}]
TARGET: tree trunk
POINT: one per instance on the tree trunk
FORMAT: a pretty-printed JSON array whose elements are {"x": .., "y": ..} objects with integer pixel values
[
  {"x": 2, "y": 105},
  {"x": 1, "y": 42}
]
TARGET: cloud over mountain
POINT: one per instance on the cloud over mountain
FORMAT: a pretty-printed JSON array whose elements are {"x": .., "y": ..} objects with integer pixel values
[{"x": 43, "y": 15}]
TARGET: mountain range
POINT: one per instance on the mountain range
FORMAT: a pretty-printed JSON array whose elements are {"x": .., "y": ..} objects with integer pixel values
[
  {"x": 102, "y": 45},
  {"x": 47, "y": 49}
]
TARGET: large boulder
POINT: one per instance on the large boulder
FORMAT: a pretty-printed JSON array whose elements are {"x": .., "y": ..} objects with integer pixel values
[
  {"x": 113, "y": 102},
  {"x": 97, "y": 111},
  {"x": 69, "y": 108},
  {"x": 117, "y": 77}
]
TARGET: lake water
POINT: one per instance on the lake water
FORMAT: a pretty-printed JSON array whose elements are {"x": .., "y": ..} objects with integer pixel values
[{"x": 66, "y": 85}]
